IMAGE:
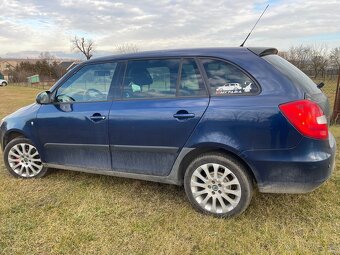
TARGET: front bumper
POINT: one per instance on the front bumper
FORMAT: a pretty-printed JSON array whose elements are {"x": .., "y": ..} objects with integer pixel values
[{"x": 298, "y": 170}]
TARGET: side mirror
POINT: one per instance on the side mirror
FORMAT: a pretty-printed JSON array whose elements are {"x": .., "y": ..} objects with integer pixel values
[{"x": 44, "y": 97}]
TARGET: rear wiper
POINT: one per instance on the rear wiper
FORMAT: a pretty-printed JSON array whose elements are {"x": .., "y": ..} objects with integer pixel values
[{"x": 320, "y": 85}]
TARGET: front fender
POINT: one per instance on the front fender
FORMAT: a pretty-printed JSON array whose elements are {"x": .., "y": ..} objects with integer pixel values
[{"x": 22, "y": 121}]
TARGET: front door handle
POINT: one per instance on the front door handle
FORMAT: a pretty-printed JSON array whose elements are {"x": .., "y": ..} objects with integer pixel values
[
  {"x": 182, "y": 114},
  {"x": 97, "y": 117}
]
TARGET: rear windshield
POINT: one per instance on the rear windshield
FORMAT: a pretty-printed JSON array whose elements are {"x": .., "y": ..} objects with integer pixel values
[{"x": 298, "y": 77}]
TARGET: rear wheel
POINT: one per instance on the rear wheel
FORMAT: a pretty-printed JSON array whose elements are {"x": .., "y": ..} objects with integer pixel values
[
  {"x": 218, "y": 185},
  {"x": 22, "y": 159},
  {"x": 4, "y": 83}
]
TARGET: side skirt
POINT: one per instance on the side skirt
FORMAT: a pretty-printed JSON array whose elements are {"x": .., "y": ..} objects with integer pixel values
[
  {"x": 119, "y": 173},
  {"x": 172, "y": 178}
]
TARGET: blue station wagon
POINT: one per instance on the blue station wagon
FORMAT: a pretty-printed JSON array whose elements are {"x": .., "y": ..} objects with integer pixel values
[{"x": 220, "y": 121}]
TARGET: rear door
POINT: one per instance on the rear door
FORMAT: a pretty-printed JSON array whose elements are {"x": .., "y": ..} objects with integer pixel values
[{"x": 155, "y": 115}]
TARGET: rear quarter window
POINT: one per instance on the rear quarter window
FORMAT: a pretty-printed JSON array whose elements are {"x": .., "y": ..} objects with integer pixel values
[
  {"x": 225, "y": 79},
  {"x": 298, "y": 77}
]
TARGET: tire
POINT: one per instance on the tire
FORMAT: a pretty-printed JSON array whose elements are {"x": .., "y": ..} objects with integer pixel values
[
  {"x": 218, "y": 185},
  {"x": 22, "y": 159},
  {"x": 4, "y": 84}
]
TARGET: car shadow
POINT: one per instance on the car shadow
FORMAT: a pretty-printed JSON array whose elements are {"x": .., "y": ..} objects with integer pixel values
[{"x": 277, "y": 207}]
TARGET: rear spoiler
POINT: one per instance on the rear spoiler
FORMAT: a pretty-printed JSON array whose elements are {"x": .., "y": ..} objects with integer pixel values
[{"x": 261, "y": 51}]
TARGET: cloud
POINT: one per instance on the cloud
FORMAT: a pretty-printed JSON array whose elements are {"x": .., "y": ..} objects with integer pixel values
[{"x": 38, "y": 25}]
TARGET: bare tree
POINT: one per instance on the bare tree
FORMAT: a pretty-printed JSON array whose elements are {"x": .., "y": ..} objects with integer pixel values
[
  {"x": 299, "y": 56},
  {"x": 127, "y": 48},
  {"x": 283, "y": 54},
  {"x": 48, "y": 57},
  {"x": 314, "y": 60},
  {"x": 83, "y": 45},
  {"x": 335, "y": 57},
  {"x": 319, "y": 60}
]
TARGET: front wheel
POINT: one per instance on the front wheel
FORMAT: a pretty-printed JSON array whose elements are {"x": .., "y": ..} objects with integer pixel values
[
  {"x": 22, "y": 159},
  {"x": 219, "y": 185},
  {"x": 4, "y": 83}
]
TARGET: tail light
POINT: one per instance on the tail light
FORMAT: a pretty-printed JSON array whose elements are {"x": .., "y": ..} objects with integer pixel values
[{"x": 307, "y": 117}]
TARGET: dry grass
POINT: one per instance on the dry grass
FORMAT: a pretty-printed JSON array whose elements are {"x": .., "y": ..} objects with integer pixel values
[
  {"x": 329, "y": 89},
  {"x": 76, "y": 213}
]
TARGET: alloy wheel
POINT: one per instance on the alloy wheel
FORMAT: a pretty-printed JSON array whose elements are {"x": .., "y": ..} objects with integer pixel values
[
  {"x": 24, "y": 160},
  {"x": 215, "y": 188}
]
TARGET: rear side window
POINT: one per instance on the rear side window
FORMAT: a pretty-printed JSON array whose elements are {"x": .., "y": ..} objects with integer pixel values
[
  {"x": 151, "y": 78},
  {"x": 227, "y": 79},
  {"x": 298, "y": 77}
]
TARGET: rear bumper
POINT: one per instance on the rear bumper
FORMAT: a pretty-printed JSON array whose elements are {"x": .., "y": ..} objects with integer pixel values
[{"x": 298, "y": 170}]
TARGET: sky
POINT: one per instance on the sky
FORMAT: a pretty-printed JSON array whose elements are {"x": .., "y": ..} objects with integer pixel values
[{"x": 28, "y": 27}]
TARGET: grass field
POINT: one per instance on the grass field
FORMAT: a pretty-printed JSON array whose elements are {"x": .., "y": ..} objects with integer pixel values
[{"x": 77, "y": 213}]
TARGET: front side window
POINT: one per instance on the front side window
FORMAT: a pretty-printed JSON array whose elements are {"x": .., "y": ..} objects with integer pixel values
[
  {"x": 90, "y": 83},
  {"x": 151, "y": 78},
  {"x": 226, "y": 79}
]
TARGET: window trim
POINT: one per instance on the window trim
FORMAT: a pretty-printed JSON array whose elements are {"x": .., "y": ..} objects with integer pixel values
[
  {"x": 159, "y": 98},
  {"x": 203, "y": 74},
  {"x": 120, "y": 79},
  {"x": 201, "y": 77},
  {"x": 123, "y": 63},
  {"x": 236, "y": 66}
]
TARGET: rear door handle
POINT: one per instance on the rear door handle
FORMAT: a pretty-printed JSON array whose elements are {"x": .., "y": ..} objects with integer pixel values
[
  {"x": 97, "y": 117},
  {"x": 181, "y": 115}
]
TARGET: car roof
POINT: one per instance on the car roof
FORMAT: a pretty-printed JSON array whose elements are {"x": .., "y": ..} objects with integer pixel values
[{"x": 212, "y": 52}]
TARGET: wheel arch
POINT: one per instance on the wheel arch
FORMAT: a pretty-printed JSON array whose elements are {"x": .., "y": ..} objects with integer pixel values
[
  {"x": 12, "y": 134},
  {"x": 216, "y": 148}
]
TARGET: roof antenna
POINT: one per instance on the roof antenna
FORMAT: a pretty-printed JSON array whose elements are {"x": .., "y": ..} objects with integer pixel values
[{"x": 254, "y": 27}]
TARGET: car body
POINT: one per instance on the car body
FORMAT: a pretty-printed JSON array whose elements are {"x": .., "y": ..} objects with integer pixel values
[
  {"x": 3, "y": 82},
  {"x": 205, "y": 118}
]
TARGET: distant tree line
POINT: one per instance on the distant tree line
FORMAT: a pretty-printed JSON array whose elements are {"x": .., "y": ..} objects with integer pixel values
[
  {"x": 316, "y": 61},
  {"x": 46, "y": 67},
  {"x": 49, "y": 70}
]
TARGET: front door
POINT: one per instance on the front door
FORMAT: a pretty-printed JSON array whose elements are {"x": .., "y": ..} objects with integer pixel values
[
  {"x": 74, "y": 129},
  {"x": 156, "y": 114}
]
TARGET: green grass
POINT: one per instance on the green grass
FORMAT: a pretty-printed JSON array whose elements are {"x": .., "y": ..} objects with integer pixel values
[{"x": 77, "y": 213}]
